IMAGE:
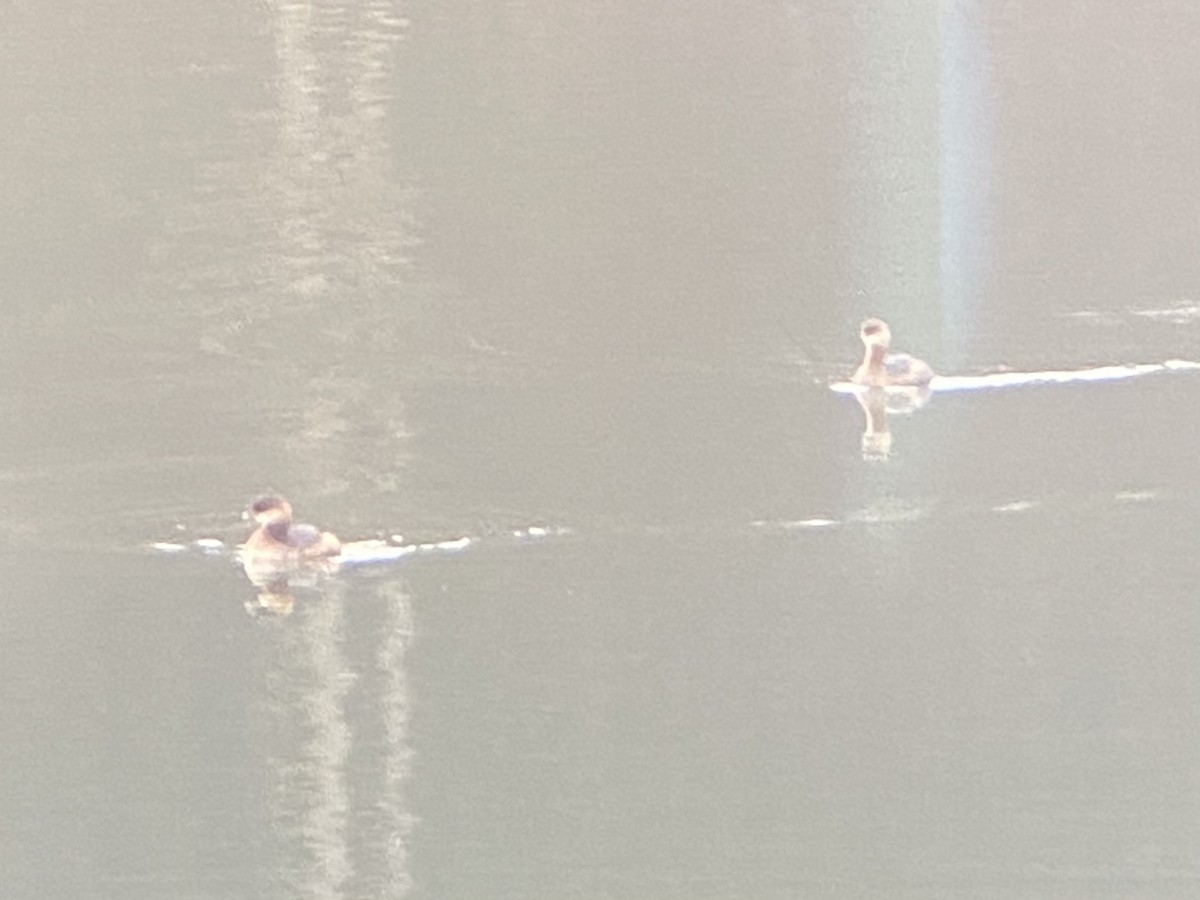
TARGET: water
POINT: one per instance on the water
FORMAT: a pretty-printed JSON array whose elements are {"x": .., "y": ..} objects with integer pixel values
[{"x": 571, "y": 283}]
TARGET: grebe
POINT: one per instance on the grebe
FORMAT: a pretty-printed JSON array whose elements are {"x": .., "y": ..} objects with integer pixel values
[
  {"x": 278, "y": 538},
  {"x": 882, "y": 369}
]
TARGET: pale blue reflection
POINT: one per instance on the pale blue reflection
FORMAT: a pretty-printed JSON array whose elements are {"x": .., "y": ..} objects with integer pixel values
[
  {"x": 965, "y": 141},
  {"x": 918, "y": 186}
]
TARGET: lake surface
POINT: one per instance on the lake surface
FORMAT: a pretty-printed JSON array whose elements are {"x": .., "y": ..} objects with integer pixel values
[{"x": 558, "y": 291}]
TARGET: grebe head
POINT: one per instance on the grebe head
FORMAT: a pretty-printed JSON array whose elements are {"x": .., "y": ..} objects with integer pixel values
[
  {"x": 270, "y": 509},
  {"x": 875, "y": 332}
]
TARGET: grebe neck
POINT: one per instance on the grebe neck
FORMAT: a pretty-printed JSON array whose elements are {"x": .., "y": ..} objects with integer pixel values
[{"x": 875, "y": 355}]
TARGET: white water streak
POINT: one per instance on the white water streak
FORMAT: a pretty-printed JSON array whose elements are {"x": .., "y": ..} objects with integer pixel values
[{"x": 994, "y": 380}]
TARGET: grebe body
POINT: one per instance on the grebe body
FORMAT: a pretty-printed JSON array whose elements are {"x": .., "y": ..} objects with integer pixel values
[
  {"x": 883, "y": 369},
  {"x": 278, "y": 537}
]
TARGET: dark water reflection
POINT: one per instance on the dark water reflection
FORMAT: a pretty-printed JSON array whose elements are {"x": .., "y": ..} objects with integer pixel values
[{"x": 570, "y": 281}]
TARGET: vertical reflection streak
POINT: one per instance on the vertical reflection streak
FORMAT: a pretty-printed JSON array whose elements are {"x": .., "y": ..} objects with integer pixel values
[
  {"x": 338, "y": 808},
  {"x": 311, "y": 800},
  {"x": 334, "y": 227},
  {"x": 394, "y": 709},
  {"x": 338, "y": 224},
  {"x": 295, "y": 172},
  {"x": 965, "y": 169},
  {"x": 890, "y": 189}
]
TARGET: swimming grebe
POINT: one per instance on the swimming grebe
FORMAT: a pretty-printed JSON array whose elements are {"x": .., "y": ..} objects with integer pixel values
[
  {"x": 277, "y": 536},
  {"x": 882, "y": 369}
]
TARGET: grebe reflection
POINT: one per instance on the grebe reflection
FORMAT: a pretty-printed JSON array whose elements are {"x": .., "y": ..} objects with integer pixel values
[
  {"x": 280, "y": 548},
  {"x": 896, "y": 383}
]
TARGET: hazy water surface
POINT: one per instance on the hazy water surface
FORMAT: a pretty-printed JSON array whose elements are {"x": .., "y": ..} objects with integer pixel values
[{"x": 566, "y": 284}]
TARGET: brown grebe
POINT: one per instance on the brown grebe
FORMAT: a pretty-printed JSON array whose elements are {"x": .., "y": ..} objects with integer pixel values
[
  {"x": 279, "y": 538},
  {"x": 882, "y": 369}
]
